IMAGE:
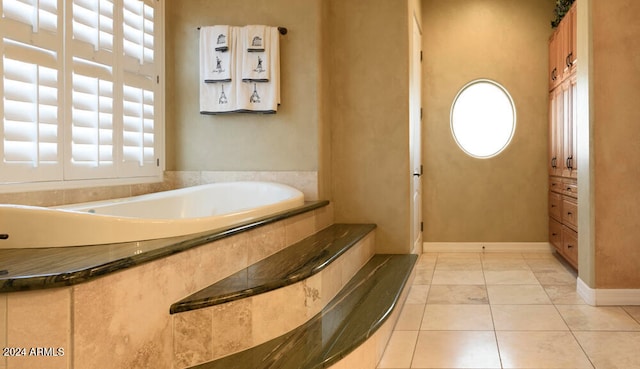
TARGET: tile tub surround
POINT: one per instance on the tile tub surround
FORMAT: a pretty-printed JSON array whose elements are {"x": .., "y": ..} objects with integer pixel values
[
  {"x": 305, "y": 181},
  {"x": 288, "y": 266},
  {"x": 122, "y": 319},
  {"x": 241, "y": 324},
  {"x": 349, "y": 320}
]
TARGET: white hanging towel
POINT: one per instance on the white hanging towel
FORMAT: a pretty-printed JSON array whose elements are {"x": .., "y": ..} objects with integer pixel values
[
  {"x": 263, "y": 97},
  {"x": 216, "y": 53},
  {"x": 256, "y": 63},
  {"x": 220, "y": 97}
]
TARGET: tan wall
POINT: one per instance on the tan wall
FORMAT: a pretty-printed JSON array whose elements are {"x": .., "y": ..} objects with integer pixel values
[
  {"x": 616, "y": 76},
  {"x": 504, "y": 198},
  {"x": 369, "y": 105},
  {"x": 287, "y": 140}
]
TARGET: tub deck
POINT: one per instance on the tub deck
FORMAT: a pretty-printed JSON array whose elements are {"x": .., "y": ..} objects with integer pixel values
[{"x": 33, "y": 269}]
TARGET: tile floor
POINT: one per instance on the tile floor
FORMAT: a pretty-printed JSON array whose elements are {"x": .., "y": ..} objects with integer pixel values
[{"x": 497, "y": 310}]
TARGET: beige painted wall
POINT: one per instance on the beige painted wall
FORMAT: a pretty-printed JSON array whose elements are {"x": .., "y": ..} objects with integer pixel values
[
  {"x": 287, "y": 140},
  {"x": 368, "y": 67},
  {"x": 616, "y": 92},
  {"x": 502, "y": 199}
]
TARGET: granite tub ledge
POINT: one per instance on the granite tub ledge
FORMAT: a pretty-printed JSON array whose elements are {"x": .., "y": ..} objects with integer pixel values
[{"x": 35, "y": 269}]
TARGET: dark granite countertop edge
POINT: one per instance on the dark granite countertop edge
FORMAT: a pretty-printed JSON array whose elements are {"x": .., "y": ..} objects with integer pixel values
[
  {"x": 187, "y": 304},
  {"x": 63, "y": 279},
  {"x": 341, "y": 354}
]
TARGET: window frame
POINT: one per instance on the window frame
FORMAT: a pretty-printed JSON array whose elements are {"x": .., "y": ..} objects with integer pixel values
[
  {"x": 512, "y": 105},
  {"x": 67, "y": 175}
]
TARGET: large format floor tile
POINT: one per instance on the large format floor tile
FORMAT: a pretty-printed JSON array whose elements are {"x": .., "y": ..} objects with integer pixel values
[
  {"x": 541, "y": 350},
  {"x": 517, "y": 295},
  {"x": 457, "y": 317},
  {"x": 598, "y": 318},
  {"x": 507, "y": 310},
  {"x": 611, "y": 350},
  {"x": 456, "y": 349}
]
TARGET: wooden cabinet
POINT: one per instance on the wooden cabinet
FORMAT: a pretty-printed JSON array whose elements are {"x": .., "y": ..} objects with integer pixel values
[
  {"x": 563, "y": 57},
  {"x": 563, "y": 147},
  {"x": 563, "y": 217}
]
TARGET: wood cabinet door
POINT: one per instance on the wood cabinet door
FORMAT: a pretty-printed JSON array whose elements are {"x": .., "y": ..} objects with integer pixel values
[
  {"x": 556, "y": 132},
  {"x": 573, "y": 50},
  {"x": 570, "y": 246},
  {"x": 570, "y": 129},
  {"x": 555, "y": 54},
  {"x": 555, "y": 234}
]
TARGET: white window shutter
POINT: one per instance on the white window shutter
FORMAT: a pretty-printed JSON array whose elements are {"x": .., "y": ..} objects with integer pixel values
[
  {"x": 31, "y": 112},
  {"x": 79, "y": 104}
]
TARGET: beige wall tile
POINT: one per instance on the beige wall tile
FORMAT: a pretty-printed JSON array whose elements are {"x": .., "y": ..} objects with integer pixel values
[
  {"x": 232, "y": 327},
  {"x": 313, "y": 295},
  {"x": 265, "y": 241},
  {"x": 280, "y": 311},
  {"x": 79, "y": 195},
  {"x": 299, "y": 227},
  {"x": 324, "y": 216},
  {"x": 123, "y": 322},
  {"x": 332, "y": 280},
  {"x": 192, "y": 337},
  {"x": 40, "y": 319}
]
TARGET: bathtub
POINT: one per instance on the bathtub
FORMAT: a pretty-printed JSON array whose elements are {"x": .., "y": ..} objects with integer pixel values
[{"x": 158, "y": 215}]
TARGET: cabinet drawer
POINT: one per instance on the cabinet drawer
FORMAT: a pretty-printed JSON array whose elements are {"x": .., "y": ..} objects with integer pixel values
[
  {"x": 570, "y": 245},
  {"x": 555, "y": 234},
  {"x": 555, "y": 206},
  {"x": 570, "y": 212},
  {"x": 556, "y": 185},
  {"x": 570, "y": 188}
]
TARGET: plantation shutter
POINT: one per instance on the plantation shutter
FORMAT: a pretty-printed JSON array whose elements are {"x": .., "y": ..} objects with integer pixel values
[
  {"x": 80, "y": 89},
  {"x": 114, "y": 84},
  {"x": 140, "y": 89},
  {"x": 31, "y": 85},
  {"x": 92, "y": 63}
]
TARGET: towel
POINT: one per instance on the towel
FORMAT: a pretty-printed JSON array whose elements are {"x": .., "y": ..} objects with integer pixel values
[
  {"x": 219, "y": 97},
  {"x": 256, "y": 64},
  {"x": 216, "y": 65},
  {"x": 263, "y": 97},
  {"x": 238, "y": 96},
  {"x": 255, "y": 38}
]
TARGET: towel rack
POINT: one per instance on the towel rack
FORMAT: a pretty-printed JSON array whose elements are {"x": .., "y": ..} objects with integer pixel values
[{"x": 283, "y": 30}]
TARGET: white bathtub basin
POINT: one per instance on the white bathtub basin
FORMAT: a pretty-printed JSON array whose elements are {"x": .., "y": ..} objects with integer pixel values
[{"x": 159, "y": 215}]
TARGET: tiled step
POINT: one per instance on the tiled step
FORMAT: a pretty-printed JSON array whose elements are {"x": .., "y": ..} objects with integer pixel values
[
  {"x": 352, "y": 317},
  {"x": 286, "y": 267}
]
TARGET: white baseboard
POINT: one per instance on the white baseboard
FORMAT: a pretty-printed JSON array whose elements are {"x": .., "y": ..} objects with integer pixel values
[
  {"x": 607, "y": 297},
  {"x": 528, "y": 247}
]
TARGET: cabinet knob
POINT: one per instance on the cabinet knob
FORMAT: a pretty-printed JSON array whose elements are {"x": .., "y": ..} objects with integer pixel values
[{"x": 569, "y": 246}]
